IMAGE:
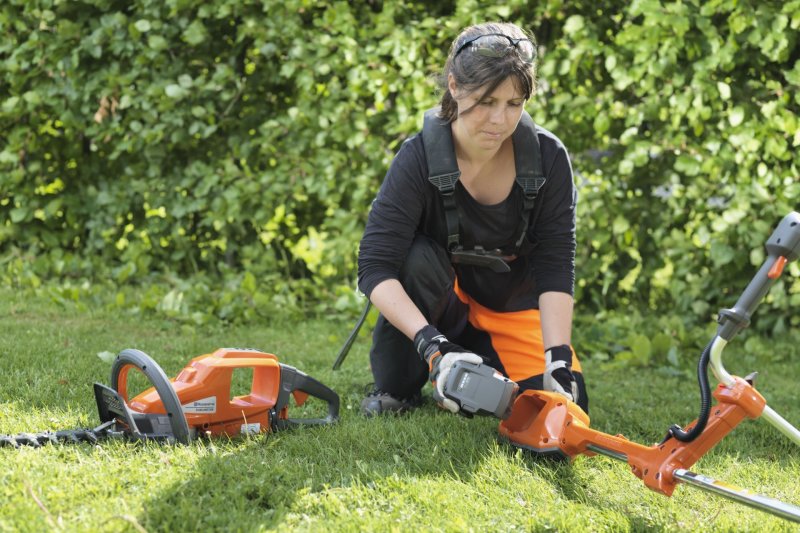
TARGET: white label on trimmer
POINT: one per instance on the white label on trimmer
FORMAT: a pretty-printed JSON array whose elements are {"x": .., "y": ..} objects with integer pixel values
[
  {"x": 251, "y": 428},
  {"x": 206, "y": 405}
]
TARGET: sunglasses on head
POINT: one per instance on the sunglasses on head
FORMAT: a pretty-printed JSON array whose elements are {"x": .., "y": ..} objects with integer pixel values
[{"x": 499, "y": 45}]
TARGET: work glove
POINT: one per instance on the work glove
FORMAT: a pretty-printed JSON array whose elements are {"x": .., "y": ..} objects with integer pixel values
[
  {"x": 440, "y": 354},
  {"x": 558, "y": 375}
]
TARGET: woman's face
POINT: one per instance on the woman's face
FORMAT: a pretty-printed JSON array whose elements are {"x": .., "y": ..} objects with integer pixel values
[{"x": 492, "y": 118}]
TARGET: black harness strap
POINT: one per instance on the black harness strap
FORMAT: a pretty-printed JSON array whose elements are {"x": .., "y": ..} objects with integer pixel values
[
  {"x": 528, "y": 162},
  {"x": 443, "y": 171}
]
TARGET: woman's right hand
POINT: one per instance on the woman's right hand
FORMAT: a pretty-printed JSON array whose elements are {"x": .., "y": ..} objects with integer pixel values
[{"x": 441, "y": 354}]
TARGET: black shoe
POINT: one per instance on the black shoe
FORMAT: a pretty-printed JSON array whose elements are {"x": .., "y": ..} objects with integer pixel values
[{"x": 379, "y": 402}]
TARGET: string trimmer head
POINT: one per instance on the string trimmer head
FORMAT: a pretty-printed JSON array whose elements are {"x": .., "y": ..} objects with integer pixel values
[{"x": 546, "y": 423}]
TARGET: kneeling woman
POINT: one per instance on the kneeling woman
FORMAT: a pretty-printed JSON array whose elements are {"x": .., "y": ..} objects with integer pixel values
[{"x": 469, "y": 248}]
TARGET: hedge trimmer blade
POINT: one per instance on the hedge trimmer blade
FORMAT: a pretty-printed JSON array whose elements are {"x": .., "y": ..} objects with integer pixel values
[{"x": 72, "y": 436}]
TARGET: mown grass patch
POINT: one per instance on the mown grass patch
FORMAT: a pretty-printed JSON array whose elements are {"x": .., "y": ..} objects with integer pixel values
[{"x": 426, "y": 471}]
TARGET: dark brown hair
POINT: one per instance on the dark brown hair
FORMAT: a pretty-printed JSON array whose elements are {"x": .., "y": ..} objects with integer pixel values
[{"x": 473, "y": 71}]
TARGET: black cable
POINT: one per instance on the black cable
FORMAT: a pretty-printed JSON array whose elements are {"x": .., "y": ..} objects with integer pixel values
[
  {"x": 353, "y": 334},
  {"x": 705, "y": 402}
]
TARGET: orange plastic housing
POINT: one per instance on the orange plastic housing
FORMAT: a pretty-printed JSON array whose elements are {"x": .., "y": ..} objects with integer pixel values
[
  {"x": 548, "y": 424},
  {"x": 204, "y": 390}
]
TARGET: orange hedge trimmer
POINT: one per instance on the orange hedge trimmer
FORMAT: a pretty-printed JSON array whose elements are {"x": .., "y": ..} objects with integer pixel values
[
  {"x": 548, "y": 424},
  {"x": 197, "y": 402}
]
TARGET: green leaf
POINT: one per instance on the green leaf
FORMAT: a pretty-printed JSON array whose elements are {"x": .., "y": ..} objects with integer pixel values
[
  {"x": 574, "y": 24},
  {"x": 32, "y": 97},
  {"x": 672, "y": 356},
  {"x": 721, "y": 253},
  {"x": 724, "y": 90},
  {"x": 602, "y": 123},
  {"x": 641, "y": 348},
  {"x": 175, "y": 91},
  {"x": 249, "y": 284},
  {"x": 620, "y": 225},
  {"x": 143, "y": 25},
  {"x": 687, "y": 165},
  {"x": 8, "y": 157},
  {"x": 195, "y": 33},
  {"x": 125, "y": 272},
  {"x": 10, "y": 103},
  {"x": 736, "y": 116},
  {"x": 185, "y": 81},
  {"x": 171, "y": 303},
  {"x": 157, "y": 42},
  {"x": 793, "y": 76},
  {"x": 661, "y": 343},
  {"x": 18, "y": 214}
]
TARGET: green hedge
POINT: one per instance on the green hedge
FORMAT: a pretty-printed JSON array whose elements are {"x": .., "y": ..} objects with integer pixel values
[
  {"x": 224, "y": 154},
  {"x": 695, "y": 106}
]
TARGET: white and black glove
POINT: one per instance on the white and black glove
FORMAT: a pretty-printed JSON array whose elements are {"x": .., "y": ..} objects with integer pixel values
[
  {"x": 558, "y": 375},
  {"x": 440, "y": 355}
]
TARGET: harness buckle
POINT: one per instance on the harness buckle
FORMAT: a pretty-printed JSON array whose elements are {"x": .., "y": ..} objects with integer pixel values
[{"x": 481, "y": 257}]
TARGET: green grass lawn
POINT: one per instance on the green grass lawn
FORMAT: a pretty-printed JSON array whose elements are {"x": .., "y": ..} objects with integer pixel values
[{"x": 428, "y": 471}]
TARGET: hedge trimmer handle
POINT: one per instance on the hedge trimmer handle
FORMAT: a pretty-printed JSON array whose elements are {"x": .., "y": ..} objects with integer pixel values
[{"x": 301, "y": 385}]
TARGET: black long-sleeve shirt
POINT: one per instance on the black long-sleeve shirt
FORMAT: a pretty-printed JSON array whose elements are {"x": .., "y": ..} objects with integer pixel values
[{"x": 408, "y": 204}]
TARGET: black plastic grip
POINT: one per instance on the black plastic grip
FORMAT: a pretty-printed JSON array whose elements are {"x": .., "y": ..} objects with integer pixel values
[
  {"x": 783, "y": 243},
  {"x": 295, "y": 380}
]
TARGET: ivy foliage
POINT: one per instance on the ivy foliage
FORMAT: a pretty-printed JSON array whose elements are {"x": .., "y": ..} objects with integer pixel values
[{"x": 218, "y": 159}]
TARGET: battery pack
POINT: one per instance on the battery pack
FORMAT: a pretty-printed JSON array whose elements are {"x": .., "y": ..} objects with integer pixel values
[{"x": 480, "y": 390}]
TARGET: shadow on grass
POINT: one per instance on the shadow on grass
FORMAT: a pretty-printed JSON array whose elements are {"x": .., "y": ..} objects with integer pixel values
[
  {"x": 257, "y": 482},
  {"x": 252, "y": 483}
]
